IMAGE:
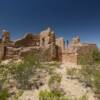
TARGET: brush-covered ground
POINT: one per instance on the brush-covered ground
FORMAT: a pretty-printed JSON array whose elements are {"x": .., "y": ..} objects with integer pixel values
[{"x": 33, "y": 78}]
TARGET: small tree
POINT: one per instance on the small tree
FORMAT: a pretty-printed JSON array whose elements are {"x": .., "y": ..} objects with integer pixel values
[
  {"x": 4, "y": 94},
  {"x": 49, "y": 95},
  {"x": 96, "y": 56}
]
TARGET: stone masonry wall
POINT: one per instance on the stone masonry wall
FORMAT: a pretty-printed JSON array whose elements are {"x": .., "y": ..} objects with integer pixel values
[
  {"x": 28, "y": 40},
  {"x": 52, "y": 47},
  {"x": 79, "y": 55},
  {"x": 60, "y": 43},
  {"x": 69, "y": 57}
]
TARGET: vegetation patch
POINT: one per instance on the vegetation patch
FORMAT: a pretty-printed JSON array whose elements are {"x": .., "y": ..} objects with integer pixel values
[{"x": 51, "y": 95}]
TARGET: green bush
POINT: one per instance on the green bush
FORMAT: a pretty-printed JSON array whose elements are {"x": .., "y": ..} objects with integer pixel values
[
  {"x": 24, "y": 71},
  {"x": 87, "y": 71},
  {"x": 96, "y": 79},
  {"x": 48, "y": 95},
  {"x": 91, "y": 74},
  {"x": 50, "y": 67},
  {"x": 84, "y": 97},
  {"x": 3, "y": 94},
  {"x": 55, "y": 78},
  {"x": 96, "y": 56},
  {"x": 21, "y": 72},
  {"x": 85, "y": 59},
  {"x": 72, "y": 72},
  {"x": 54, "y": 82}
]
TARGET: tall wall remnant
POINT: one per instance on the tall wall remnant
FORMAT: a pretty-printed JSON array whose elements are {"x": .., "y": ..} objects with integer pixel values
[
  {"x": 77, "y": 50},
  {"x": 46, "y": 41},
  {"x": 5, "y": 37}
]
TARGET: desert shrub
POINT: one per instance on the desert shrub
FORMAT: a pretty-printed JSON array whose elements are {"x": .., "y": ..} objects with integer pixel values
[
  {"x": 84, "y": 97},
  {"x": 3, "y": 72},
  {"x": 87, "y": 74},
  {"x": 72, "y": 72},
  {"x": 87, "y": 71},
  {"x": 55, "y": 77},
  {"x": 93, "y": 57},
  {"x": 17, "y": 95},
  {"x": 96, "y": 79},
  {"x": 85, "y": 59},
  {"x": 50, "y": 67},
  {"x": 51, "y": 95},
  {"x": 24, "y": 71},
  {"x": 96, "y": 56},
  {"x": 32, "y": 58},
  {"x": 4, "y": 94},
  {"x": 54, "y": 82},
  {"x": 29, "y": 67},
  {"x": 91, "y": 74},
  {"x": 21, "y": 72}
]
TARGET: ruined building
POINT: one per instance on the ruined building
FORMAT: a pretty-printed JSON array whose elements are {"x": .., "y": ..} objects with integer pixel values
[{"x": 46, "y": 41}]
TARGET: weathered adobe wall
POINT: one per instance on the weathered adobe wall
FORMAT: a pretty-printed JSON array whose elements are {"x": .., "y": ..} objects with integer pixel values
[
  {"x": 83, "y": 54},
  {"x": 60, "y": 46},
  {"x": 44, "y": 39},
  {"x": 69, "y": 57},
  {"x": 28, "y": 40},
  {"x": 60, "y": 43},
  {"x": 12, "y": 52},
  {"x": 47, "y": 37},
  {"x": 47, "y": 43}
]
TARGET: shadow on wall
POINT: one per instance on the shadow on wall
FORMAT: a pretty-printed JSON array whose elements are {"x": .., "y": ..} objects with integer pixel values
[
  {"x": 59, "y": 53},
  {"x": 3, "y": 51}
]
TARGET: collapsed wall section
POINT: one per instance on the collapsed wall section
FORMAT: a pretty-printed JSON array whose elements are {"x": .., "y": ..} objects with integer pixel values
[
  {"x": 60, "y": 46},
  {"x": 28, "y": 40},
  {"x": 80, "y": 55}
]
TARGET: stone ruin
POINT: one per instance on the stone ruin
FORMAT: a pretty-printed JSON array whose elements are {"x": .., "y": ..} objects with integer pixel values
[{"x": 46, "y": 41}]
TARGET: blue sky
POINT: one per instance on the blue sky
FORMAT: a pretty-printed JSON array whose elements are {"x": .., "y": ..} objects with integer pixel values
[{"x": 66, "y": 17}]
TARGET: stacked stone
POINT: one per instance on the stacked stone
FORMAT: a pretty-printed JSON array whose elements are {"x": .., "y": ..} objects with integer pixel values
[
  {"x": 5, "y": 37},
  {"x": 52, "y": 46}
]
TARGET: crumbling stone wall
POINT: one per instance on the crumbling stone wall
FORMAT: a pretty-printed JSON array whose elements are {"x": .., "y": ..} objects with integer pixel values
[
  {"x": 28, "y": 40},
  {"x": 12, "y": 52},
  {"x": 70, "y": 57},
  {"x": 5, "y": 37},
  {"x": 45, "y": 37},
  {"x": 60, "y": 43},
  {"x": 46, "y": 42},
  {"x": 80, "y": 54},
  {"x": 60, "y": 46},
  {"x": 77, "y": 51}
]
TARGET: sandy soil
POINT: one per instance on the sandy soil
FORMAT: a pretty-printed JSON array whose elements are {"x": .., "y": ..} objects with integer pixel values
[{"x": 72, "y": 87}]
